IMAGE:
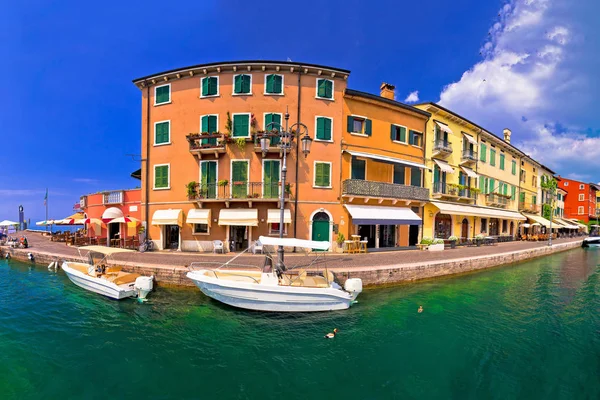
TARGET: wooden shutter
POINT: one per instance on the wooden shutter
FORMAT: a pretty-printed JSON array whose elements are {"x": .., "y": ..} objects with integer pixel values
[
  {"x": 482, "y": 184},
  {"x": 277, "y": 84},
  {"x": 204, "y": 124},
  {"x": 319, "y": 174},
  {"x": 329, "y": 89},
  {"x": 326, "y": 174},
  {"x": 402, "y": 134},
  {"x": 245, "y": 83},
  {"x": 270, "y": 82},
  {"x": 492, "y": 185},
  {"x": 514, "y": 167},
  {"x": 205, "y": 84},
  {"x": 492, "y": 157},
  {"x": 321, "y": 128},
  {"x": 241, "y": 124},
  {"x": 239, "y": 178},
  {"x": 350, "y": 123},
  {"x": 368, "y": 127},
  {"x": 161, "y": 133},
  {"x": 415, "y": 176},
  {"x": 271, "y": 178},
  {"x": 502, "y": 161},
  {"x": 237, "y": 84},
  {"x": 212, "y": 124},
  {"x": 163, "y": 94},
  {"x": 399, "y": 174},
  {"x": 513, "y": 191},
  {"x": 161, "y": 176},
  {"x": 393, "y": 132},
  {"x": 483, "y": 152}
]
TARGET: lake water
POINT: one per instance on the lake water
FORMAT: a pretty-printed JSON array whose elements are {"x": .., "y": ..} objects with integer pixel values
[{"x": 529, "y": 331}]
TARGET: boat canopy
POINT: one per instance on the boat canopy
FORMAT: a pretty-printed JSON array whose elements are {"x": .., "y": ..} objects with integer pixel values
[
  {"x": 292, "y": 242},
  {"x": 108, "y": 251}
]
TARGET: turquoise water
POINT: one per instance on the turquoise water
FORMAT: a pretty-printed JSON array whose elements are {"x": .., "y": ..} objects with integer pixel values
[{"x": 530, "y": 331}]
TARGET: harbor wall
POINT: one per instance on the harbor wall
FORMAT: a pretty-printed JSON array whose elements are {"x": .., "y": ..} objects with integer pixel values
[{"x": 371, "y": 276}]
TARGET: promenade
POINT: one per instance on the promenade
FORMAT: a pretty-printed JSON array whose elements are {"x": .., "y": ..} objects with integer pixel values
[{"x": 375, "y": 268}]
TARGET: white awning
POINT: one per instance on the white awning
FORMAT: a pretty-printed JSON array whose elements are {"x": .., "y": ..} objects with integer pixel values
[
  {"x": 167, "y": 217},
  {"x": 385, "y": 158},
  {"x": 444, "y": 166},
  {"x": 485, "y": 212},
  {"x": 198, "y": 216},
  {"x": 470, "y": 173},
  {"x": 577, "y": 223},
  {"x": 112, "y": 213},
  {"x": 444, "y": 127},
  {"x": 273, "y": 216},
  {"x": 291, "y": 242},
  {"x": 470, "y": 139},
  {"x": 540, "y": 220},
  {"x": 373, "y": 215},
  {"x": 239, "y": 216}
]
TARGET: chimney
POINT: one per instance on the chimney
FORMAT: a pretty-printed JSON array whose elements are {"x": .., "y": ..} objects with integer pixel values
[
  {"x": 507, "y": 133},
  {"x": 387, "y": 91}
]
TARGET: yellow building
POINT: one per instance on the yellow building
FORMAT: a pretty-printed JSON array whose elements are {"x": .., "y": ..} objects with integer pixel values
[
  {"x": 529, "y": 187},
  {"x": 472, "y": 176}
]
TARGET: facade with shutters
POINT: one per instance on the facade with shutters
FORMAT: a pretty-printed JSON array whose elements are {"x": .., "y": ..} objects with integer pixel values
[{"x": 204, "y": 176}]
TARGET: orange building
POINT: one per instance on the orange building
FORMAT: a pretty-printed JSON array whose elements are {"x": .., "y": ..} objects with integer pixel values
[
  {"x": 382, "y": 160},
  {"x": 204, "y": 176},
  {"x": 109, "y": 205}
]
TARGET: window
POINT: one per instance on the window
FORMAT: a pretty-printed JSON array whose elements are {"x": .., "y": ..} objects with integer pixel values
[
  {"x": 513, "y": 192},
  {"x": 241, "y": 125},
  {"x": 482, "y": 152},
  {"x": 200, "y": 229},
  {"x": 483, "y": 225},
  {"x": 324, "y": 89},
  {"x": 581, "y": 197},
  {"x": 534, "y": 200},
  {"x": 398, "y": 133},
  {"x": 274, "y": 229},
  {"x": 415, "y": 138},
  {"x": 415, "y": 177},
  {"x": 161, "y": 176},
  {"x": 492, "y": 157},
  {"x": 209, "y": 124},
  {"x": 580, "y": 210},
  {"x": 239, "y": 178},
  {"x": 242, "y": 84},
  {"x": 209, "y": 86},
  {"x": 274, "y": 84},
  {"x": 162, "y": 133},
  {"x": 523, "y": 176},
  {"x": 514, "y": 167},
  {"x": 272, "y": 122},
  {"x": 359, "y": 125},
  {"x": 534, "y": 181},
  {"x": 399, "y": 172},
  {"x": 581, "y": 186},
  {"x": 358, "y": 169},
  {"x": 322, "y": 174},
  {"x": 504, "y": 225},
  {"x": 271, "y": 170},
  {"x": 522, "y": 197},
  {"x": 502, "y": 161},
  {"x": 324, "y": 129},
  {"x": 162, "y": 94}
]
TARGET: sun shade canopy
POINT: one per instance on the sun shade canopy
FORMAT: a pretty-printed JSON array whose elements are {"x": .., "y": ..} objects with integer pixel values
[
  {"x": 167, "y": 217},
  {"x": 470, "y": 173},
  {"x": 443, "y": 127},
  {"x": 444, "y": 166},
  {"x": 459, "y": 209},
  {"x": 470, "y": 139},
  {"x": 373, "y": 215},
  {"x": 198, "y": 216},
  {"x": 239, "y": 217},
  {"x": 386, "y": 159},
  {"x": 540, "y": 220},
  {"x": 273, "y": 216}
]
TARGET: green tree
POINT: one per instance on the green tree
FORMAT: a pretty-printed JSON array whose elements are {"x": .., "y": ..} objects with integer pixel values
[{"x": 549, "y": 186}]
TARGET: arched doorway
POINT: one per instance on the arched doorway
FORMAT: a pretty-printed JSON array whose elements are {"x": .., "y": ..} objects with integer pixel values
[
  {"x": 464, "y": 232},
  {"x": 443, "y": 226},
  {"x": 320, "y": 227}
]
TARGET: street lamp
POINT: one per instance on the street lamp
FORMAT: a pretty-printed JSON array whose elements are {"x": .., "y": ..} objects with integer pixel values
[
  {"x": 552, "y": 196},
  {"x": 286, "y": 137}
]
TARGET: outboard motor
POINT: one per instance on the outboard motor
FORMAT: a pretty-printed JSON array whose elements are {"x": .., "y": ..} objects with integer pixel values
[
  {"x": 353, "y": 286},
  {"x": 143, "y": 285},
  {"x": 30, "y": 257}
]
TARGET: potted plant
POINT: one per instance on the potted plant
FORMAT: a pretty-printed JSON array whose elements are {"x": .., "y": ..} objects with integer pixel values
[
  {"x": 426, "y": 242},
  {"x": 241, "y": 143},
  {"x": 436, "y": 245},
  {"x": 453, "y": 240},
  {"x": 340, "y": 242},
  {"x": 479, "y": 239},
  {"x": 223, "y": 182},
  {"x": 192, "y": 190}
]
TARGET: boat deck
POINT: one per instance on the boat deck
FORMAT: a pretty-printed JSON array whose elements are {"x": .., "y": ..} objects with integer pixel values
[{"x": 113, "y": 274}]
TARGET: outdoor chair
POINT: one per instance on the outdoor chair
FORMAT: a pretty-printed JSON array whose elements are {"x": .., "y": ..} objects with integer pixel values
[
  {"x": 257, "y": 247},
  {"x": 218, "y": 245}
]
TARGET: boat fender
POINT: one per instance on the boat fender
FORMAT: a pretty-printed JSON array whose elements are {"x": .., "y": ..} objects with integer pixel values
[
  {"x": 30, "y": 257},
  {"x": 53, "y": 264},
  {"x": 7, "y": 256}
]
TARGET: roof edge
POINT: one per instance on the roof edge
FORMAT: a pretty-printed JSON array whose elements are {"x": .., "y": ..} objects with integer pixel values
[{"x": 358, "y": 93}]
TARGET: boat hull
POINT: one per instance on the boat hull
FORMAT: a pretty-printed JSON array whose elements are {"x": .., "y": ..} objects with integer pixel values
[
  {"x": 258, "y": 297},
  {"x": 97, "y": 285},
  {"x": 591, "y": 242}
]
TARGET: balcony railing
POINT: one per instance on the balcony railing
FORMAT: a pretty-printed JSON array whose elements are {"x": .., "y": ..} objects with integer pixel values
[
  {"x": 442, "y": 146},
  {"x": 239, "y": 190},
  {"x": 469, "y": 156},
  {"x": 362, "y": 188},
  {"x": 115, "y": 197},
  {"x": 451, "y": 190},
  {"x": 206, "y": 143},
  {"x": 531, "y": 207},
  {"x": 496, "y": 199}
]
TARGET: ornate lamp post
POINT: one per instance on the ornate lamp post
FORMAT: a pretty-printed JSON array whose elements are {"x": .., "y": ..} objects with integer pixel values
[{"x": 286, "y": 137}]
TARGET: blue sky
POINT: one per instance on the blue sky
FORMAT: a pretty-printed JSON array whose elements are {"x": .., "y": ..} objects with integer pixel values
[{"x": 70, "y": 113}]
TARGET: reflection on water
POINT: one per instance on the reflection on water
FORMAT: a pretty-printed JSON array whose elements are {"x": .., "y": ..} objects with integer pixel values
[{"x": 524, "y": 331}]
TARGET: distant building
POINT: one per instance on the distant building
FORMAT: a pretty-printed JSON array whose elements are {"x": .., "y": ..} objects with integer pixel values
[{"x": 580, "y": 200}]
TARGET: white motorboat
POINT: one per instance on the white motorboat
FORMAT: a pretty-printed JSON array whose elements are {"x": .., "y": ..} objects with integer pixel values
[
  {"x": 592, "y": 241},
  {"x": 108, "y": 280},
  {"x": 300, "y": 289}
]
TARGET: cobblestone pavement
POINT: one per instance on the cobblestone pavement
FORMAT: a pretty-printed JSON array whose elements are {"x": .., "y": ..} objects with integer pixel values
[{"x": 333, "y": 260}]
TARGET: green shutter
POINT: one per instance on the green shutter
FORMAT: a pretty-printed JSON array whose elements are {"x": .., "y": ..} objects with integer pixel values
[
  {"x": 213, "y": 86},
  {"x": 513, "y": 193},
  {"x": 161, "y": 176},
  {"x": 533, "y": 199},
  {"x": 393, "y": 132},
  {"x": 325, "y": 89},
  {"x": 278, "y": 84},
  {"x": 212, "y": 124},
  {"x": 505, "y": 189},
  {"x": 268, "y": 120},
  {"x": 270, "y": 83},
  {"x": 208, "y": 182},
  {"x": 502, "y": 162},
  {"x": 205, "y": 86},
  {"x": 237, "y": 84},
  {"x": 239, "y": 179},
  {"x": 323, "y": 128},
  {"x": 271, "y": 178},
  {"x": 241, "y": 124},
  {"x": 514, "y": 167},
  {"x": 161, "y": 133},
  {"x": 326, "y": 175},
  {"x": 402, "y": 134},
  {"x": 482, "y": 184},
  {"x": 399, "y": 173},
  {"x": 350, "y": 124},
  {"x": 483, "y": 152},
  {"x": 246, "y": 84},
  {"x": 415, "y": 177},
  {"x": 522, "y": 197},
  {"x": 204, "y": 124},
  {"x": 492, "y": 157},
  {"x": 368, "y": 127},
  {"x": 492, "y": 185},
  {"x": 163, "y": 94},
  {"x": 322, "y": 175},
  {"x": 329, "y": 89}
]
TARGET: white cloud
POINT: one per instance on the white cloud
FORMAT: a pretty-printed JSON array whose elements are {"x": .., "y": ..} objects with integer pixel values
[
  {"x": 531, "y": 81},
  {"x": 85, "y": 180},
  {"x": 412, "y": 97}
]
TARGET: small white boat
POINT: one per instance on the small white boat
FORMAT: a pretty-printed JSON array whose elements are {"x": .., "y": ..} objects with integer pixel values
[
  {"x": 95, "y": 276},
  {"x": 273, "y": 289},
  {"x": 592, "y": 241}
]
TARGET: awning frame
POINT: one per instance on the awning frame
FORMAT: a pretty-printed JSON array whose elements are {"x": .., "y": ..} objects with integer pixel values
[
  {"x": 444, "y": 127},
  {"x": 444, "y": 166}
]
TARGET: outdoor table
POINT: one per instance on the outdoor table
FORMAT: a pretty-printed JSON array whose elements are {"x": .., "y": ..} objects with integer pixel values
[
  {"x": 115, "y": 242},
  {"x": 362, "y": 246},
  {"x": 349, "y": 246}
]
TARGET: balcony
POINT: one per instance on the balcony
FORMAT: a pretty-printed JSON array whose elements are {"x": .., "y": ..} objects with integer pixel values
[
  {"x": 529, "y": 207},
  {"x": 201, "y": 144},
  {"x": 380, "y": 190},
  {"x": 453, "y": 191},
  {"x": 469, "y": 156},
  {"x": 442, "y": 147},
  {"x": 239, "y": 191},
  {"x": 274, "y": 143},
  {"x": 497, "y": 200},
  {"x": 115, "y": 197}
]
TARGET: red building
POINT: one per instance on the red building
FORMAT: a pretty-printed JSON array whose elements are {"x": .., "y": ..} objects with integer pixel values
[
  {"x": 580, "y": 201},
  {"x": 109, "y": 205}
]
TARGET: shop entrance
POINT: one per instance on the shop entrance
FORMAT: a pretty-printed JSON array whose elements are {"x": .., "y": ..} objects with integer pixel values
[
  {"x": 413, "y": 235},
  {"x": 171, "y": 237},
  {"x": 443, "y": 226},
  {"x": 464, "y": 232},
  {"x": 238, "y": 238},
  {"x": 494, "y": 227}
]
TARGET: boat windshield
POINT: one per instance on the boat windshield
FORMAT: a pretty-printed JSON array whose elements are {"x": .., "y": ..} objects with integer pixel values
[{"x": 94, "y": 258}]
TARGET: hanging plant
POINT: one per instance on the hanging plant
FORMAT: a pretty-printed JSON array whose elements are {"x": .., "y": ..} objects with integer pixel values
[
  {"x": 228, "y": 125},
  {"x": 241, "y": 143}
]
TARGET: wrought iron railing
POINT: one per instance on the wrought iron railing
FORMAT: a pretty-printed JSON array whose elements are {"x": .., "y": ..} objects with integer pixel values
[
  {"x": 469, "y": 155},
  {"x": 443, "y": 146},
  {"x": 494, "y": 198},
  {"x": 239, "y": 190}
]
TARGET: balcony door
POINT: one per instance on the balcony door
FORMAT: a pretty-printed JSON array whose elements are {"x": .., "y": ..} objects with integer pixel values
[
  {"x": 441, "y": 136},
  {"x": 399, "y": 174},
  {"x": 271, "y": 178},
  {"x": 208, "y": 179},
  {"x": 239, "y": 179},
  {"x": 358, "y": 169},
  {"x": 439, "y": 180}
]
